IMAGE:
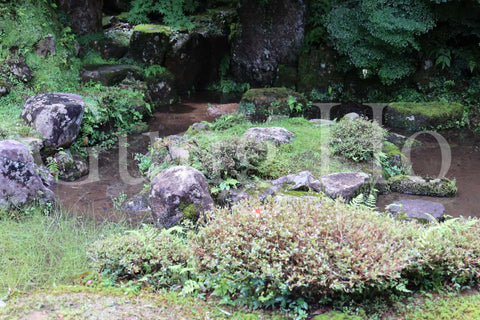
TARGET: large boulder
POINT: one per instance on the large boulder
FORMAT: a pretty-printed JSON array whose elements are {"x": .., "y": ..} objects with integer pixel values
[
  {"x": 344, "y": 184},
  {"x": 109, "y": 75},
  {"x": 20, "y": 183},
  {"x": 270, "y": 34},
  {"x": 277, "y": 135},
  {"x": 421, "y": 210},
  {"x": 150, "y": 43},
  {"x": 56, "y": 116},
  {"x": 179, "y": 193},
  {"x": 86, "y": 15}
]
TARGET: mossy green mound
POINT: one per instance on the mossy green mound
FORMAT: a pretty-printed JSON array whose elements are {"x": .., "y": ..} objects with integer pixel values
[
  {"x": 428, "y": 115},
  {"x": 443, "y": 187},
  {"x": 153, "y": 28}
]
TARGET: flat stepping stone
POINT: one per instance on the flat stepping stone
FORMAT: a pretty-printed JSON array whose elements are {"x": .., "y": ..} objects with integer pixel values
[
  {"x": 343, "y": 184},
  {"x": 418, "y": 209},
  {"x": 109, "y": 75},
  {"x": 322, "y": 122},
  {"x": 277, "y": 135}
]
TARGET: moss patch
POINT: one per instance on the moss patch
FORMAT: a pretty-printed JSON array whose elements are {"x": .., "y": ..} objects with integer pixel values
[
  {"x": 427, "y": 115},
  {"x": 153, "y": 28},
  {"x": 189, "y": 211},
  {"x": 336, "y": 315}
]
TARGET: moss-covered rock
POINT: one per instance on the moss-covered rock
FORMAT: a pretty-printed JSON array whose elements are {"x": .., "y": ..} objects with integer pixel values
[
  {"x": 416, "y": 185},
  {"x": 110, "y": 75},
  {"x": 258, "y": 104},
  {"x": 395, "y": 162},
  {"x": 418, "y": 116},
  {"x": 150, "y": 43}
]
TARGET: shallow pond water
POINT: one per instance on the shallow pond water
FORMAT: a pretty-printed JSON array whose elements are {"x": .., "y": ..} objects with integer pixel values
[{"x": 427, "y": 160}]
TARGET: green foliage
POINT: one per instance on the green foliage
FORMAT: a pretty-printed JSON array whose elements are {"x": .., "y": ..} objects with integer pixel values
[
  {"x": 379, "y": 36},
  {"x": 227, "y": 121},
  {"x": 173, "y": 12},
  {"x": 109, "y": 110},
  {"x": 154, "y": 71},
  {"x": 358, "y": 140},
  {"x": 233, "y": 157},
  {"x": 155, "y": 257}
]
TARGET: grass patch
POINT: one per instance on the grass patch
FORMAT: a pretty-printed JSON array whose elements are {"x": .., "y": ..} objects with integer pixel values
[
  {"x": 39, "y": 250},
  {"x": 455, "y": 306},
  {"x": 309, "y": 150}
]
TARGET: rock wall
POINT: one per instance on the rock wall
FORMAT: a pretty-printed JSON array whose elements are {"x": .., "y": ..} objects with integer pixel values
[{"x": 270, "y": 34}]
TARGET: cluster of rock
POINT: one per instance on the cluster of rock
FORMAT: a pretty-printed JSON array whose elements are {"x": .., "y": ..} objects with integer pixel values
[{"x": 57, "y": 118}]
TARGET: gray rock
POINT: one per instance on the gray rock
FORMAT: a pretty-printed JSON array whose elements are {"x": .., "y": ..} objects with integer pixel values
[
  {"x": 21, "y": 70},
  {"x": 56, "y": 116},
  {"x": 138, "y": 209},
  {"x": 276, "y": 135},
  {"x": 86, "y": 15},
  {"x": 35, "y": 145},
  {"x": 177, "y": 193},
  {"x": 396, "y": 139},
  {"x": 109, "y": 75},
  {"x": 20, "y": 183},
  {"x": 161, "y": 90},
  {"x": 46, "y": 46},
  {"x": 198, "y": 126},
  {"x": 352, "y": 116},
  {"x": 303, "y": 181},
  {"x": 288, "y": 198},
  {"x": 322, "y": 122},
  {"x": 150, "y": 43},
  {"x": 179, "y": 154},
  {"x": 69, "y": 169},
  {"x": 418, "y": 209},
  {"x": 343, "y": 184}
]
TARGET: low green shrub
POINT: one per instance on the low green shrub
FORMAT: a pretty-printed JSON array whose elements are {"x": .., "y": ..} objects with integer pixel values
[
  {"x": 358, "y": 140},
  {"x": 288, "y": 254},
  {"x": 233, "y": 157},
  {"x": 275, "y": 251},
  {"x": 157, "y": 257}
]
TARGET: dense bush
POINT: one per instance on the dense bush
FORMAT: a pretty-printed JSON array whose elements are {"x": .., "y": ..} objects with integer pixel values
[
  {"x": 159, "y": 257},
  {"x": 233, "y": 157},
  {"x": 358, "y": 140},
  {"x": 285, "y": 253}
]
